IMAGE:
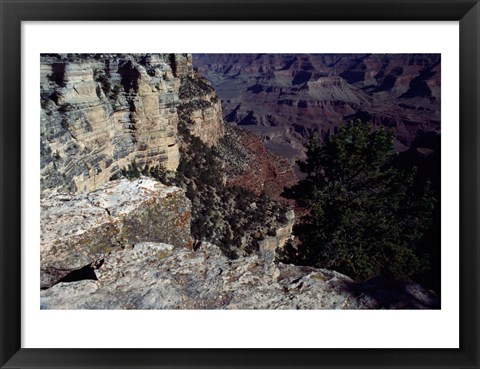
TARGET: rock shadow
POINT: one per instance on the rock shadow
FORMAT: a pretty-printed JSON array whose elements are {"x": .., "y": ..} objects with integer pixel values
[{"x": 395, "y": 294}]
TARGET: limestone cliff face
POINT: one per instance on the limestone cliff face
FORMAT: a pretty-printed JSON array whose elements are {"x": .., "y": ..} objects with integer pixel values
[
  {"x": 102, "y": 112},
  {"x": 208, "y": 122},
  {"x": 201, "y": 109},
  {"x": 78, "y": 230}
]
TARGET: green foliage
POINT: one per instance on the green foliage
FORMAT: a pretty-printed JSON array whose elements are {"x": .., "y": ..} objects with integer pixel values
[
  {"x": 132, "y": 171},
  {"x": 225, "y": 216},
  {"x": 130, "y": 76},
  {"x": 194, "y": 87},
  {"x": 220, "y": 214},
  {"x": 364, "y": 216},
  {"x": 116, "y": 92}
]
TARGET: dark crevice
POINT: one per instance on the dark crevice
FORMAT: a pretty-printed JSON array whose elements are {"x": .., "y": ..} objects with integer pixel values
[
  {"x": 301, "y": 77},
  {"x": 58, "y": 74},
  {"x": 387, "y": 84},
  {"x": 130, "y": 76},
  {"x": 86, "y": 272},
  {"x": 353, "y": 76},
  {"x": 173, "y": 64}
]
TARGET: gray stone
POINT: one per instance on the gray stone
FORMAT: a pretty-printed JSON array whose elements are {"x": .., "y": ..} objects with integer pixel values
[
  {"x": 159, "y": 276},
  {"x": 78, "y": 230}
]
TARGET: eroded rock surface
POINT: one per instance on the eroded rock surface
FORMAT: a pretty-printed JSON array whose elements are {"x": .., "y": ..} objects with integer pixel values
[
  {"x": 101, "y": 112},
  {"x": 159, "y": 276},
  {"x": 78, "y": 230},
  {"x": 280, "y": 236},
  {"x": 251, "y": 166},
  {"x": 201, "y": 109}
]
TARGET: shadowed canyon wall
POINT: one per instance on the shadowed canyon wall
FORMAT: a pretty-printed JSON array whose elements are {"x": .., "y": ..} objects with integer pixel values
[{"x": 283, "y": 98}]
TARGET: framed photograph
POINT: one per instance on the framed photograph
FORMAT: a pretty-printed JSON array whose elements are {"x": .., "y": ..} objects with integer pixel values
[{"x": 239, "y": 184}]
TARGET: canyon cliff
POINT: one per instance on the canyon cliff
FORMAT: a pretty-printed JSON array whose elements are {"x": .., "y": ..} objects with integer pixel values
[
  {"x": 109, "y": 116},
  {"x": 148, "y": 201},
  {"x": 101, "y": 112}
]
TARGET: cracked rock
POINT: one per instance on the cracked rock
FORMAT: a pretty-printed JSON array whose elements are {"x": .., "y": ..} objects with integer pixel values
[{"x": 78, "y": 230}]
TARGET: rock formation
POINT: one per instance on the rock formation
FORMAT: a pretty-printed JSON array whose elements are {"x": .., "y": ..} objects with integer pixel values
[
  {"x": 280, "y": 236},
  {"x": 283, "y": 98},
  {"x": 201, "y": 109},
  {"x": 78, "y": 230},
  {"x": 102, "y": 112},
  {"x": 159, "y": 276}
]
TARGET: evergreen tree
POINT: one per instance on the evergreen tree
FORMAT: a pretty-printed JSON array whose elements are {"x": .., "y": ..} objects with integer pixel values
[{"x": 363, "y": 215}]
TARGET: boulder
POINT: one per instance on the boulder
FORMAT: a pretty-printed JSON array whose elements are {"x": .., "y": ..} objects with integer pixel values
[{"x": 78, "y": 230}]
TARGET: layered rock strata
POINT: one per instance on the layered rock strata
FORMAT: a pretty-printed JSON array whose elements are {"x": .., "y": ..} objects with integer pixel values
[
  {"x": 304, "y": 93},
  {"x": 102, "y": 112},
  {"x": 201, "y": 109},
  {"x": 82, "y": 229}
]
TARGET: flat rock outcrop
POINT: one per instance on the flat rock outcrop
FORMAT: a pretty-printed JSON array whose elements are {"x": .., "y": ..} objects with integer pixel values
[
  {"x": 159, "y": 276},
  {"x": 78, "y": 230}
]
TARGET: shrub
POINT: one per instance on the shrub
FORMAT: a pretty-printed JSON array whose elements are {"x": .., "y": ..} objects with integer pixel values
[{"x": 364, "y": 216}]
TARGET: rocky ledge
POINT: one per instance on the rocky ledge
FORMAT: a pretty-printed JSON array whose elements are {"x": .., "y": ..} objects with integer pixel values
[
  {"x": 80, "y": 230},
  {"x": 160, "y": 276}
]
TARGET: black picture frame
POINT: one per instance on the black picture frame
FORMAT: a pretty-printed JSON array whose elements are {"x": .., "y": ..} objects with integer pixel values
[{"x": 467, "y": 12}]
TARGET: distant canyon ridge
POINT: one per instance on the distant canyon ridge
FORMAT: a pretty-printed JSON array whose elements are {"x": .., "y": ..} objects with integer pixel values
[{"x": 283, "y": 98}]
